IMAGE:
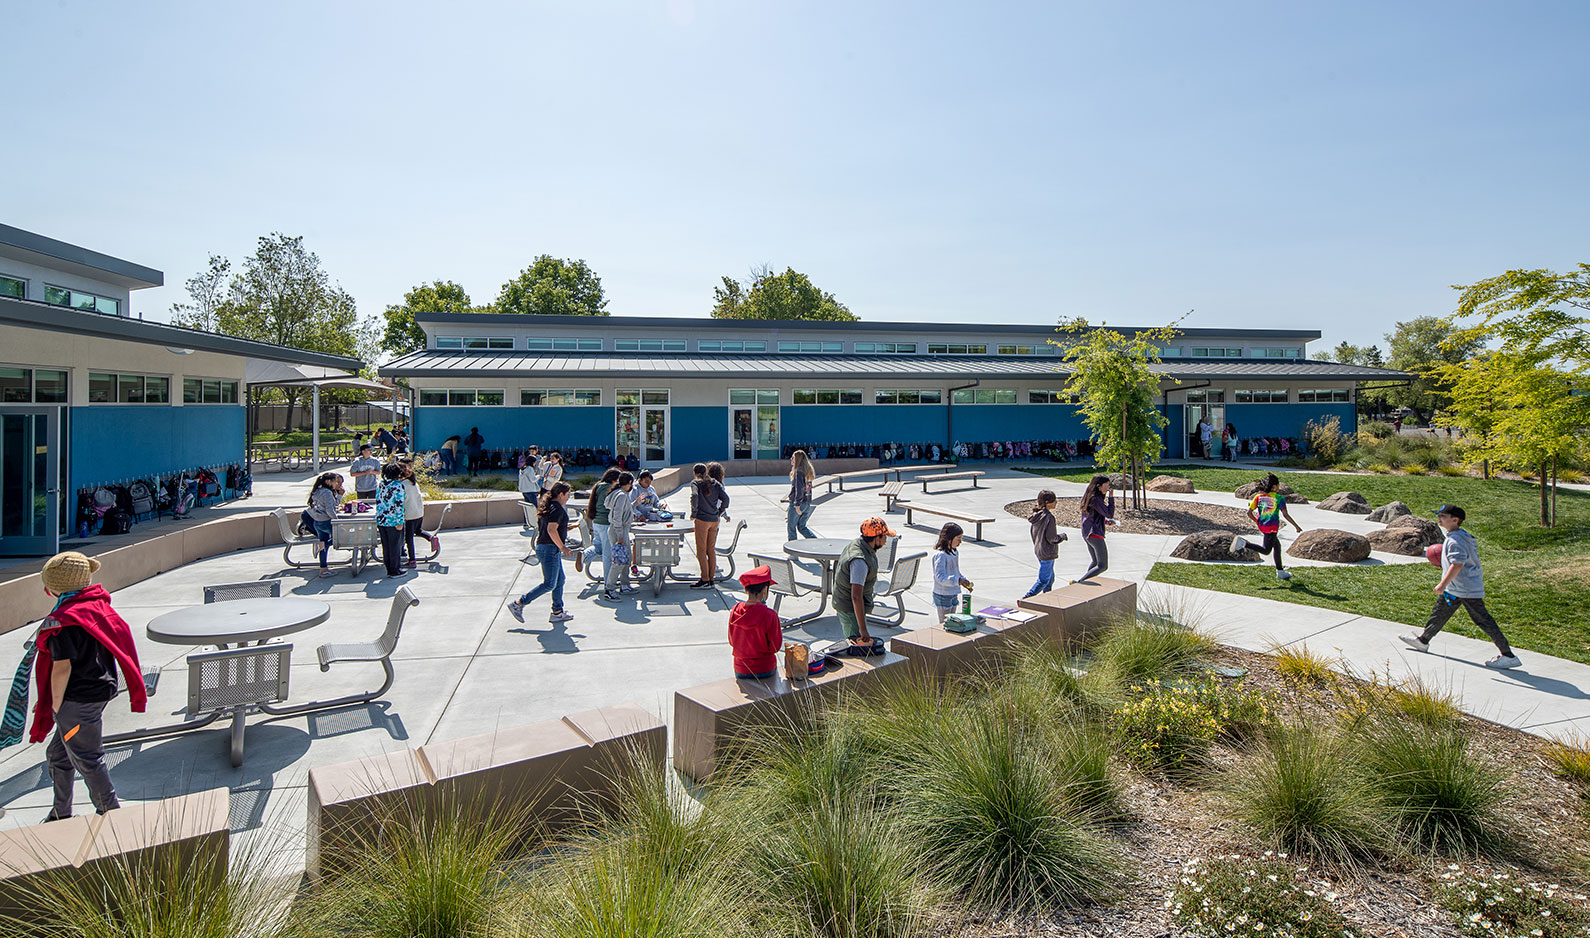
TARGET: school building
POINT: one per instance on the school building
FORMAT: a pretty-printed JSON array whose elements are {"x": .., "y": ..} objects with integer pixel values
[
  {"x": 678, "y": 390},
  {"x": 91, "y": 397}
]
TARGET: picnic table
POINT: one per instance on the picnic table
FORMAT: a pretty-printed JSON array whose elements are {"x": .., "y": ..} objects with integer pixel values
[
  {"x": 357, "y": 534},
  {"x": 826, "y": 551}
]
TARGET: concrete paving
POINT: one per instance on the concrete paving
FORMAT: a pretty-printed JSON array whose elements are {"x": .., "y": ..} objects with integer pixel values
[{"x": 466, "y": 667}]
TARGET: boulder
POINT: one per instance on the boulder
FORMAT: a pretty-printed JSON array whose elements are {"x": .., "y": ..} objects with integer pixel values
[
  {"x": 1330, "y": 545},
  {"x": 1388, "y": 511},
  {"x": 1121, "y": 481},
  {"x": 1348, "y": 503},
  {"x": 1408, "y": 541},
  {"x": 1428, "y": 530},
  {"x": 1211, "y": 545},
  {"x": 1246, "y": 493},
  {"x": 1174, "y": 484}
]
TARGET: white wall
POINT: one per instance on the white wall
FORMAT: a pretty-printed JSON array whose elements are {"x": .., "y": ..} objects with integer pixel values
[
  {"x": 37, "y": 277},
  {"x": 41, "y": 348}
]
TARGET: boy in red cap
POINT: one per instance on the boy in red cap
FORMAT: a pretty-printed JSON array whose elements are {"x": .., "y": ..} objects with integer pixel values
[{"x": 754, "y": 631}]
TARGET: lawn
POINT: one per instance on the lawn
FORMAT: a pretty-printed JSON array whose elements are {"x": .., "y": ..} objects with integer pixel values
[{"x": 1536, "y": 578}]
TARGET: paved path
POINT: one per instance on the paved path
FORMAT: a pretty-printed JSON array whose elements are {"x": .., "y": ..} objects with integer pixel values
[{"x": 465, "y": 667}]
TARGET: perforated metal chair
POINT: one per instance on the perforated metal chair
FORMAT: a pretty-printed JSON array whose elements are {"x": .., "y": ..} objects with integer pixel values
[
  {"x": 728, "y": 552},
  {"x": 287, "y": 526},
  {"x": 250, "y": 589},
  {"x": 379, "y": 650},
  {"x": 432, "y": 534},
  {"x": 784, "y": 582},
  {"x": 235, "y": 679},
  {"x": 900, "y": 578}
]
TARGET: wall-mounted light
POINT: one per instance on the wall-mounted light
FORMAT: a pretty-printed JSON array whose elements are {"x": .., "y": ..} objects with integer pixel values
[{"x": 179, "y": 351}]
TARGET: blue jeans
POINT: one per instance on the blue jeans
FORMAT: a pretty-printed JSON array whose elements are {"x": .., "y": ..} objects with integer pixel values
[
  {"x": 598, "y": 546},
  {"x": 449, "y": 463},
  {"x": 1045, "y": 578},
  {"x": 551, "y": 577},
  {"x": 796, "y": 520},
  {"x": 322, "y": 533}
]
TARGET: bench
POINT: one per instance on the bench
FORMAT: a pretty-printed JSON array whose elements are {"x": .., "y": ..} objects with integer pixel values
[
  {"x": 951, "y": 514},
  {"x": 900, "y": 471},
  {"x": 891, "y": 491},
  {"x": 974, "y": 475},
  {"x": 827, "y": 480},
  {"x": 841, "y": 477}
]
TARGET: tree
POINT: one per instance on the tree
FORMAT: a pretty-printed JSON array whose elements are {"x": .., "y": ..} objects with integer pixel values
[
  {"x": 789, "y": 295},
  {"x": 206, "y": 293},
  {"x": 1372, "y": 400},
  {"x": 1421, "y": 347},
  {"x": 1476, "y": 388},
  {"x": 402, "y": 334},
  {"x": 1118, "y": 388},
  {"x": 552, "y": 286},
  {"x": 1534, "y": 313}
]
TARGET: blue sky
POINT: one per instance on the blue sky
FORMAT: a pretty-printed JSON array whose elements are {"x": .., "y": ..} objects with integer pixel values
[{"x": 1332, "y": 166}]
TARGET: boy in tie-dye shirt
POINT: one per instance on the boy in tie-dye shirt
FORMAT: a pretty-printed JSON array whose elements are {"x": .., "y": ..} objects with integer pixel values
[{"x": 1267, "y": 509}]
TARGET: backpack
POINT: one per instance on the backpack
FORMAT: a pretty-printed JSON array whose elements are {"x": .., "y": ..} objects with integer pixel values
[
  {"x": 143, "y": 497},
  {"x": 208, "y": 486},
  {"x": 104, "y": 498},
  {"x": 117, "y": 521}
]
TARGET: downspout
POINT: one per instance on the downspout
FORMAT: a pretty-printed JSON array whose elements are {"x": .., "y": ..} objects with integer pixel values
[{"x": 949, "y": 412}]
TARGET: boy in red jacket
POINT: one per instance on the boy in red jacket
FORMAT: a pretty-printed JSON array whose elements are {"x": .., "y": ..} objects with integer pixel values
[
  {"x": 754, "y": 631},
  {"x": 80, "y": 646}
]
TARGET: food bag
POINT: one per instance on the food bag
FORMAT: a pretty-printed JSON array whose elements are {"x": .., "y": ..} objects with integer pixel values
[{"x": 797, "y": 660}]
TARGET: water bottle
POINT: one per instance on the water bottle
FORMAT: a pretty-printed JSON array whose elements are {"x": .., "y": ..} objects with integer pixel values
[{"x": 966, "y": 604}]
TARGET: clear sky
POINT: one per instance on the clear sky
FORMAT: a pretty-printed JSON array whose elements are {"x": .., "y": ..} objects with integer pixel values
[{"x": 1323, "y": 165}]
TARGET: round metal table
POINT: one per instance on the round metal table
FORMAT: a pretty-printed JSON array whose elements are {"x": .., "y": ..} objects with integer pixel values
[
  {"x": 826, "y": 551},
  {"x": 238, "y": 621}
]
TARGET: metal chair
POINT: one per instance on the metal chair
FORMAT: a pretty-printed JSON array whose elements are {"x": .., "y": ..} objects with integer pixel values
[
  {"x": 249, "y": 589},
  {"x": 379, "y": 650},
  {"x": 887, "y": 553},
  {"x": 431, "y": 535},
  {"x": 901, "y": 577},
  {"x": 784, "y": 582},
  {"x": 728, "y": 552},
  {"x": 287, "y": 526},
  {"x": 661, "y": 554},
  {"x": 359, "y": 535},
  {"x": 236, "y": 679}
]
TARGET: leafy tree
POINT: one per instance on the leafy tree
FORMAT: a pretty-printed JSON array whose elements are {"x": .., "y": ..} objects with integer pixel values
[
  {"x": 1534, "y": 313},
  {"x": 1118, "y": 389},
  {"x": 402, "y": 334},
  {"x": 206, "y": 293},
  {"x": 1476, "y": 388},
  {"x": 552, "y": 286},
  {"x": 1371, "y": 400},
  {"x": 1421, "y": 347},
  {"x": 789, "y": 295}
]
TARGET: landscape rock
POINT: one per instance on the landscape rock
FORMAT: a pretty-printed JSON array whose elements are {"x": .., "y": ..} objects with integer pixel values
[
  {"x": 1330, "y": 545},
  {"x": 1408, "y": 541},
  {"x": 1428, "y": 530},
  {"x": 1121, "y": 481},
  {"x": 1211, "y": 545},
  {"x": 1388, "y": 511},
  {"x": 1174, "y": 484},
  {"x": 1246, "y": 493},
  {"x": 1348, "y": 503}
]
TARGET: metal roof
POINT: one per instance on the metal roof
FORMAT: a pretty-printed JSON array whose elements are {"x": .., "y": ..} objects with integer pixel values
[
  {"x": 49, "y": 252},
  {"x": 695, "y": 323},
  {"x": 32, "y": 314},
  {"x": 431, "y": 363}
]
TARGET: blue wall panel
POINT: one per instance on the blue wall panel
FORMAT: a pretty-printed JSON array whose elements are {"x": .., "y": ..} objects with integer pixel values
[
  {"x": 700, "y": 434},
  {"x": 860, "y": 423},
  {"x": 1174, "y": 434},
  {"x": 516, "y": 427},
  {"x": 111, "y": 443},
  {"x": 1285, "y": 420}
]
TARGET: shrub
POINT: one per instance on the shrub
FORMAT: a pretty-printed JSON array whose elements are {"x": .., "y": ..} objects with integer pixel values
[
  {"x": 1438, "y": 793},
  {"x": 609, "y": 891},
  {"x": 1265, "y": 896},
  {"x": 1376, "y": 430},
  {"x": 1451, "y": 471},
  {"x": 1323, "y": 439},
  {"x": 1082, "y": 766},
  {"x": 1571, "y": 760},
  {"x": 1146, "y": 648},
  {"x": 1497, "y": 905},
  {"x": 1050, "y": 673},
  {"x": 1301, "y": 665},
  {"x": 650, "y": 817},
  {"x": 1415, "y": 469},
  {"x": 1303, "y": 794},
  {"x": 1241, "y": 713},
  {"x": 1379, "y": 468},
  {"x": 1167, "y": 728}
]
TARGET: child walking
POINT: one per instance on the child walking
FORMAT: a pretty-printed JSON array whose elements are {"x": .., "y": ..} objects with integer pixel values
[
  {"x": 947, "y": 579},
  {"x": 552, "y": 522},
  {"x": 1098, "y": 512},
  {"x": 1046, "y": 541},
  {"x": 755, "y": 634},
  {"x": 1462, "y": 584},
  {"x": 1267, "y": 509}
]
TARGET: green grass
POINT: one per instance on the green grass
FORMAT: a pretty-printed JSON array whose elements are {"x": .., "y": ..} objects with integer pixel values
[
  {"x": 1535, "y": 577},
  {"x": 1303, "y": 794}
]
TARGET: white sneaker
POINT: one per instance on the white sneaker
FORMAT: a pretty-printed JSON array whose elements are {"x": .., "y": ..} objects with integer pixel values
[
  {"x": 1239, "y": 544},
  {"x": 1501, "y": 662},
  {"x": 1415, "y": 642},
  {"x": 561, "y": 616},
  {"x": 1283, "y": 575},
  {"x": 516, "y": 610},
  {"x": 629, "y": 589}
]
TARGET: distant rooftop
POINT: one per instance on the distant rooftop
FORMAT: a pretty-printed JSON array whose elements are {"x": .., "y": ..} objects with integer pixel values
[{"x": 48, "y": 252}]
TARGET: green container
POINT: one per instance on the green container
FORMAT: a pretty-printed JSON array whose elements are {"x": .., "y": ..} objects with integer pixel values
[{"x": 966, "y": 604}]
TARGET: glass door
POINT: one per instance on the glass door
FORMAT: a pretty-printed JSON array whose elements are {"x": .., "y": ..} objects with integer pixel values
[
  {"x": 641, "y": 427},
  {"x": 1217, "y": 422},
  {"x": 29, "y": 464},
  {"x": 753, "y": 424}
]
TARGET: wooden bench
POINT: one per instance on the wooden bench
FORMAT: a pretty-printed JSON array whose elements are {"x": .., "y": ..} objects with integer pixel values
[
  {"x": 947, "y": 513},
  {"x": 974, "y": 475},
  {"x": 900, "y": 471},
  {"x": 891, "y": 491}
]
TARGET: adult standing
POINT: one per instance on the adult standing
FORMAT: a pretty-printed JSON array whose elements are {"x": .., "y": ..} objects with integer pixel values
[
  {"x": 474, "y": 444},
  {"x": 80, "y": 645},
  {"x": 1098, "y": 512},
  {"x": 856, "y": 579},
  {"x": 596, "y": 513},
  {"x": 1206, "y": 432},
  {"x": 801, "y": 475},
  {"x": 1229, "y": 442},
  {"x": 324, "y": 497},
  {"x": 709, "y": 504},
  {"x": 620, "y": 515},
  {"x": 552, "y": 532},
  {"x": 366, "y": 472}
]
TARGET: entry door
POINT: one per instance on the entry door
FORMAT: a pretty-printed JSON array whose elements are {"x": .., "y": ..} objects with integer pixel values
[
  {"x": 753, "y": 424},
  {"x": 30, "y": 463},
  {"x": 655, "y": 454},
  {"x": 1217, "y": 420}
]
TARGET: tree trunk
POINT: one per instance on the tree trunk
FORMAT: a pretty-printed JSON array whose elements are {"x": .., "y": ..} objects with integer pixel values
[
  {"x": 1545, "y": 512},
  {"x": 1554, "y": 491}
]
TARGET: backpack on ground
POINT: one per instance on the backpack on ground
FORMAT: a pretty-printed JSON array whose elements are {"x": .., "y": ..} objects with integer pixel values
[
  {"x": 143, "y": 497},
  {"x": 117, "y": 521}
]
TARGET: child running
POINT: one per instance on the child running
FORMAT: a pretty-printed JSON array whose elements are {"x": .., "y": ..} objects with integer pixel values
[
  {"x": 1462, "y": 584},
  {"x": 1046, "y": 541},
  {"x": 1098, "y": 512},
  {"x": 1267, "y": 509},
  {"x": 947, "y": 579}
]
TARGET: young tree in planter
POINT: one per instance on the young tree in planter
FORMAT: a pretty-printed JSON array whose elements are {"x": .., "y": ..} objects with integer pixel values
[{"x": 1118, "y": 389}]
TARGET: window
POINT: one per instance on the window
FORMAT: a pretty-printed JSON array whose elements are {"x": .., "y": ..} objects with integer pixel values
[
  {"x": 106, "y": 388},
  {"x": 1261, "y": 397},
  {"x": 753, "y": 397},
  {"x": 826, "y": 396},
  {"x": 885, "y": 348},
  {"x": 449, "y": 341},
  {"x": 1206, "y": 396},
  {"x": 1217, "y": 353},
  {"x": 564, "y": 345},
  {"x": 813, "y": 348},
  {"x": 632, "y": 397},
  {"x": 730, "y": 345},
  {"x": 157, "y": 389},
  {"x": 1050, "y": 397},
  {"x": 984, "y": 396},
  {"x": 648, "y": 345},
  {"x": 475, "y": 343},
  {"x": 1275, "y": 353},
  {"x": 1017, "y": 349},
  {"x": 1324, "y": 396},
  {"x": 907, "y": 396},
  {"x": 32, "y": 386},
  {"x": 77, "y": 299},
  {"x": 559, "y": 398},
  {"x": 957, "y": 350},
  {"x": 12, "y": 286},
  {"x": 432, "y": 398},
  {"x": 460, "y": 397},
  {"x": 1170, "y": 352},
  {"x": 49, "y": 387},
  {"x": 208, "y": 391}
]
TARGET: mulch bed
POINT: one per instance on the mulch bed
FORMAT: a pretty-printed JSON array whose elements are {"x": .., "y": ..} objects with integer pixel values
[
  {"x": 1173, "y": 822},
  {"x": 1161, "y": 517}
]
